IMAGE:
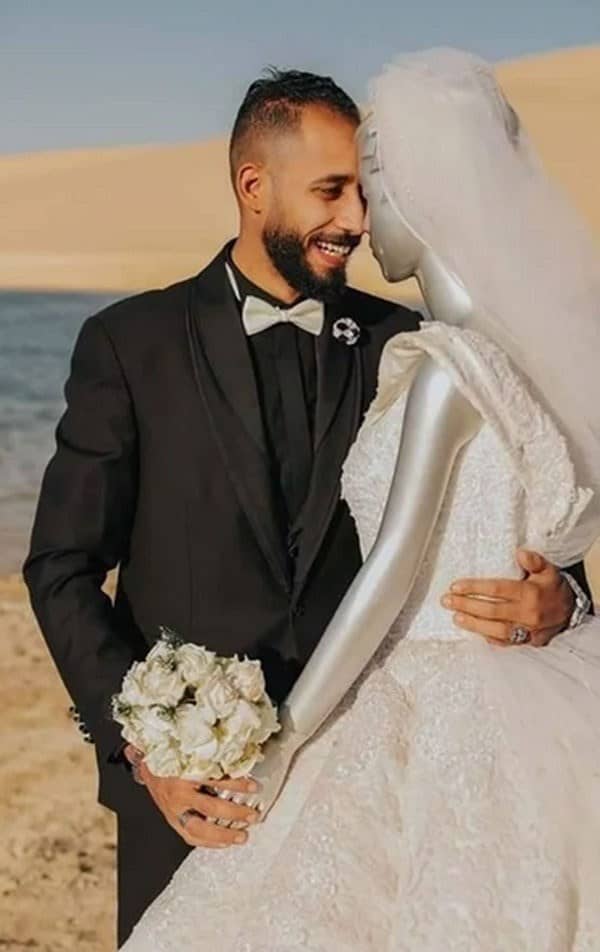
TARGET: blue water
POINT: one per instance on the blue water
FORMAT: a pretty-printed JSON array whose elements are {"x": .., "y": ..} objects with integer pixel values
[{"x": 37, "y": 333}]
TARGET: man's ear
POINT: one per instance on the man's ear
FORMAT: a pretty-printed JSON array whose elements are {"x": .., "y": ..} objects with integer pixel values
[{"x": 252, "y": 186}]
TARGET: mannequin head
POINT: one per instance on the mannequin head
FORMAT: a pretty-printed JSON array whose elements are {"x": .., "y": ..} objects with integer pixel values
[
  {"x": 395, "y": 246},
  {"x": 400, "y": 253}
]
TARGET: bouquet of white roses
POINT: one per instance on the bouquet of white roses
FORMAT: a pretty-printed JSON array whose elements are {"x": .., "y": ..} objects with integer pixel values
[{"x": 194, "y": 714}]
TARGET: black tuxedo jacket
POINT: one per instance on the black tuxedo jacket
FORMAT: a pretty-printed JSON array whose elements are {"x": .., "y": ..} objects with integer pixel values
[{"x": 161, "y": 468}]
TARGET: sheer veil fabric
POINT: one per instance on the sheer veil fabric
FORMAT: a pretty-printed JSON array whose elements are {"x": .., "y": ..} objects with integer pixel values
[{"x": 464, "y": 176}]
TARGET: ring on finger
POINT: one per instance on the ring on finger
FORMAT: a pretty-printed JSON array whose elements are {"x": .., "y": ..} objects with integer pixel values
[
  {"x": 519, "y": 635},
  {"x": 183, "y": 818}
]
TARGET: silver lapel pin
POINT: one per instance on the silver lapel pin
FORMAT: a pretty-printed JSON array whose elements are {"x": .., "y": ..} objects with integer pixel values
[{"x": 346, "y": 330}]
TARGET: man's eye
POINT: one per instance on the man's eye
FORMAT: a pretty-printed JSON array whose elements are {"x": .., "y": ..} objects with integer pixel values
[{"x": 331, "y": 192}]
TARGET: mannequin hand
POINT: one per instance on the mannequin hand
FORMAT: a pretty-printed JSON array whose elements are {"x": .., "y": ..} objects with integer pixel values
[{"x": 271, "y": 772}]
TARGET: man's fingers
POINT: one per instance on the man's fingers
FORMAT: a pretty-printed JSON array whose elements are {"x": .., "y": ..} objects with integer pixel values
[
  {"x": 523, "y": 604},
  {"x": 494, "y": 630},
  {"x": 199, "y": 832},
  {"x": 175, "y": 785},
  {"x": 479, "y": 607},
  {"x": 532, "y": 562},
  {"x": 182, "y": 789},
  {"x": 132, "y": 753},
  {"x": 526, "y": 612},
  {"x": 505, "y": 588},
  {"x": 239, "y": 785},
  {"x": 222, "y": 809},
  {"x": 499, "y": 632}
]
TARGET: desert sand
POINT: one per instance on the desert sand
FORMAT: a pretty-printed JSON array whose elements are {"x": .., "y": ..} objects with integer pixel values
[
  {"x": 124, "y": 219},
  {"x": 57, "y": 849}
]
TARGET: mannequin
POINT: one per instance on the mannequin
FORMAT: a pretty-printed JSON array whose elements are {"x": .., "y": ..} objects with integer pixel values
[{"x": 438, "y": 422}]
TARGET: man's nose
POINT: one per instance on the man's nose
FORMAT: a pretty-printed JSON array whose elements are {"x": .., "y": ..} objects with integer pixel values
[{"x": 351, "y": 215}]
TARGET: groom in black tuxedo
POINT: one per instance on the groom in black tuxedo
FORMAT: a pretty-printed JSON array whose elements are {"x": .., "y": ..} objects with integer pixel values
[{"x": 201, "y": 451}]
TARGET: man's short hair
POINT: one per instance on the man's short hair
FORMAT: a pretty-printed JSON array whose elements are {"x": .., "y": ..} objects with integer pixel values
[{"x": 274, "y": 103}]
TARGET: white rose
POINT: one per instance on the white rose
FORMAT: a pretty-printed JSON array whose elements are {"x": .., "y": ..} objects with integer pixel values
[
  {"x": 195, "y": 663},
  {"x": 121, "y": 712},
  {"x": 218, "y": 694},
  {"x": 268, "y": 722},
  {"x": 155, "y": 726},
  {"x": 231, "y": 749},
  {"x": 196, "y": 737},
  {"x": 247, "y": 677},
  {"x": 161, "y": 684},
  {"x": 241, "y": 723},
  {"x": 245, "y": 764},
  {"x": 201, "y": 770},
  {"x": 204, "y": 711},
  {"x": 161, "y": 651},
  {"x": 132, "y": 693},
  {"x": 165, "y": 760},
  {"x": 133, "y": 731}
]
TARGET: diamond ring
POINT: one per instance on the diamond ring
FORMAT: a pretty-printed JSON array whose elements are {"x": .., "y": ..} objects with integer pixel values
[{"x": 519, "y": 635}]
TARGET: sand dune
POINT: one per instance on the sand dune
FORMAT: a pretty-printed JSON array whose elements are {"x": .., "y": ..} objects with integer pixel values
[{"x": 141, "y": 217}]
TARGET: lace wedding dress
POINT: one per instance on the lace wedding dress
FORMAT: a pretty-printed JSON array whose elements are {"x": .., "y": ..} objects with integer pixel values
[{"x": 452, "y": 802}]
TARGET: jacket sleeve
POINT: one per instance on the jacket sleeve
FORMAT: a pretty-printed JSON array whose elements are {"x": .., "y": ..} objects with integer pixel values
[
  {"x": 81, "y": 531},
  {"x": 578, "y": 573}
]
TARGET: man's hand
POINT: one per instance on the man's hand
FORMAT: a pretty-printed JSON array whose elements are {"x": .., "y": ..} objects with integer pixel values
[
  {"x": 175, "y": 798},
  {"x": 542, "y": 602}
]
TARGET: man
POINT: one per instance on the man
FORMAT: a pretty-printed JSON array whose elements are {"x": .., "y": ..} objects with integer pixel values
[{"x": 201, "y": 451}]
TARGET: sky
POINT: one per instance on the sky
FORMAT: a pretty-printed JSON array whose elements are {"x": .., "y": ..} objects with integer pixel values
[{"x": 83, "y": 73}]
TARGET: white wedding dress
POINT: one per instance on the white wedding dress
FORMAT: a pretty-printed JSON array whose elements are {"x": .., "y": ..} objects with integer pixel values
[{"x": 452, "y": 802}]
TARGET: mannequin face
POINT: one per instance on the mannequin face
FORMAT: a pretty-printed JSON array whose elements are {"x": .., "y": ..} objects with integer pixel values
[{"x": 395, "y": 247}]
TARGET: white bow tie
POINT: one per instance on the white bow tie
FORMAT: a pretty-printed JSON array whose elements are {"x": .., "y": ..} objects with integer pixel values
[{"x": 259, "y": 315}]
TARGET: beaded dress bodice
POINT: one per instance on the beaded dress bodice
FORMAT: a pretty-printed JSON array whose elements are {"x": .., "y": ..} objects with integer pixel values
[{"x": 514, "y": 482}]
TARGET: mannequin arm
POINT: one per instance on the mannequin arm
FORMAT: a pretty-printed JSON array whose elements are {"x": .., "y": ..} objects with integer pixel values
[{"x": 438, "y": 422}]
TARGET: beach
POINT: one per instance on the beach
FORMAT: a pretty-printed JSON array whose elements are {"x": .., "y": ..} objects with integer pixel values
[
  {"x": 57, "y": 850},
  {"x": 68, "y": 252}
]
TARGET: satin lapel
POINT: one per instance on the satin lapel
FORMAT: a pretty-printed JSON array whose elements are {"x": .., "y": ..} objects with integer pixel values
[
  {"x": 225, "y": 378},
  {"x": 339, "y": 403},
  {"x": 335, "y": 362}
]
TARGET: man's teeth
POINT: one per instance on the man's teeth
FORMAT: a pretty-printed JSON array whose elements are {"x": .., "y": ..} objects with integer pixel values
[{"x": 338, "y": 251}]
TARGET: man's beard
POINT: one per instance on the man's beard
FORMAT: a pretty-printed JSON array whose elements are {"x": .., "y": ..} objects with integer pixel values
[{"x": 288, "y": 254}]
